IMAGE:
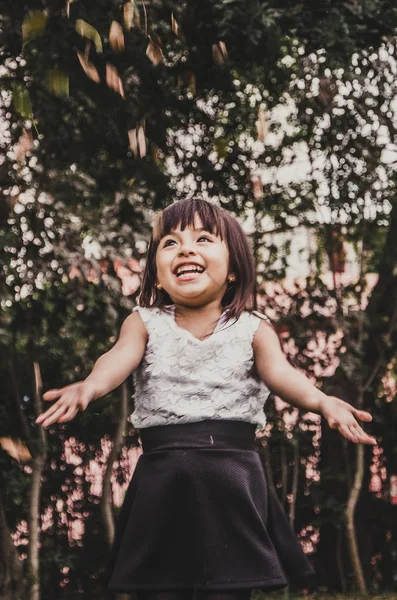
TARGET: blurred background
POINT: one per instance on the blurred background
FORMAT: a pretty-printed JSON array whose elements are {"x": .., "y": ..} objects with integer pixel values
[{"x": 285, "y": 114}]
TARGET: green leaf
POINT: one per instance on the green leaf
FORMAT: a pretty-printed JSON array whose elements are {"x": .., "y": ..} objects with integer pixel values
[
  {"x": 21, "y": 101},
  {"x": 88, "y": 31},
  {"x": 33, "y": 25},
  {"x": 220, "y": 147},
  {"x": 57, "y": 82}
]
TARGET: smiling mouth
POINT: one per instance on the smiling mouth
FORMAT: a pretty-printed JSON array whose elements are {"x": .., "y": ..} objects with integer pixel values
[
  {"x": 188, "y": 276},
  {"x": 189, "y": 272}
]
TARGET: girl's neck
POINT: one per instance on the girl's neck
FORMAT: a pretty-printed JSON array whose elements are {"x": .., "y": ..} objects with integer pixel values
[
  {"x": 200, "y": 321},
  {"x": 209, "y": 312}
]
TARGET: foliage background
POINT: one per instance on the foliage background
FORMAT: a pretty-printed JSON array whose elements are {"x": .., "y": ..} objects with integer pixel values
[{"x": 219, "y": 99}]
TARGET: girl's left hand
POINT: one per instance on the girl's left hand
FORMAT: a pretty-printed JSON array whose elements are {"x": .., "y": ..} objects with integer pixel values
[{"x": 342, "y": 416}]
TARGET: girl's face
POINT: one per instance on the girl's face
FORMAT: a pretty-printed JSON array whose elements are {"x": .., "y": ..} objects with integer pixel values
[{"x": 193, "y": 248}]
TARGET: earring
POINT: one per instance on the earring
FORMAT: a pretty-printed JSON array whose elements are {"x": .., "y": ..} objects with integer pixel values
[
  {"x": 231, "y": 278},
  {"x": 159, "y": 286}
]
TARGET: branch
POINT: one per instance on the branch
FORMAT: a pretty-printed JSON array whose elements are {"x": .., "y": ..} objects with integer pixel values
[{"x": 106, "y": 499}]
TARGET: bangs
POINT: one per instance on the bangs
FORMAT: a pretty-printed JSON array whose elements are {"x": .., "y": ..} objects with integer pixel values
[{"x": 183, "y": 214}]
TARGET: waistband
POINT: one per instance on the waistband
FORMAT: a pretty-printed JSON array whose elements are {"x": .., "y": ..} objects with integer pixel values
[{"x": 209, "y": 433}]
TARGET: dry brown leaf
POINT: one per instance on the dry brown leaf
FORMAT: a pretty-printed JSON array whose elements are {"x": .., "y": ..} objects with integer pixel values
[
  {"x": 24, "y": 145},
  {"x": 116, "y": 37},
  {"x": 261, "y": 125},
  {"x": 88, "y": 67},
  {"x": 326, "y": 92},
  {"x": 257, "y": 187},
  {"x": 176, "y": 29},
  {"x": 156, "y": 156},
  {"x": 154, "y": 51},
  {"x": 67, "y": 8},
  {"x": 219, "y": 53},
  {"x": 16, "y": 449},
  {"x": 187, "y": 79},
  {"x": 156, "y": 39},
  {"x": 37, "y": 378},
  {"x": 137, "y": 18},
  {"x": 13, "y": 200},
  {"x": 141, "y": 142},
  {"x": 137, "y": 141},
  {"x": 133, "y": 141},
  {"x": 174, "y": 25},
  {"x": 129, "y": 9},
  {"x": 113, "y": 79}
]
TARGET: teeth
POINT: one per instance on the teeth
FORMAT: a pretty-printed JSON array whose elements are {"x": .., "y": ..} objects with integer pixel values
[{"x": 189, "y": 270}]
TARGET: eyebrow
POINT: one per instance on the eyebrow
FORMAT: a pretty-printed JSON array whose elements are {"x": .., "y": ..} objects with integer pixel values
[{"x": 194, "y": 230}]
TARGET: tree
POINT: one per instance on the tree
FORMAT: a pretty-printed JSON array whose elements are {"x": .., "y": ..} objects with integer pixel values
[{"x": 183, "y": 91}]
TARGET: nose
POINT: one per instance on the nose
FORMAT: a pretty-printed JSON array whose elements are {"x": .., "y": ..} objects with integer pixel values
[{"x": 185, "y": 249}]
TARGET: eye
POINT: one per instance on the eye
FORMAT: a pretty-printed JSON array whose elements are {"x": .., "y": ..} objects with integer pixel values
[
  {"x": 167, "y": 242},
  {"x": 205, "y": 237}
]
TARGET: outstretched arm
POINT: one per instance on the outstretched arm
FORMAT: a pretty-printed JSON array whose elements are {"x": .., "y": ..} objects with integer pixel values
[
  {"x": 109, "y": 371},
  {"x": 296, "y": 389}
]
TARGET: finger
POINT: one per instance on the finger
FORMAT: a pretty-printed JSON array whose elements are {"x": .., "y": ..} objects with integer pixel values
[
  {"x": 53, "y": 408},
  {"x": 50, "y": 411},
  {"x": 57, "y": 392},
  {"x": 52, "y": 394},
  {"x": 364, "y": 437},
  {"x": 355, "y": 434},
  {"x": 69, "y": 415},
  {"x": 358, "y": 433},
  {"x": 348, "y": 434},
  {"x": 55, "y": 416},
  {"x": 363, "y": 415}
]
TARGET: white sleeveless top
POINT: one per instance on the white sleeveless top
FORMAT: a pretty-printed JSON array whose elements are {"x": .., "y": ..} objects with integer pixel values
[{"x": 182, "y": 379}]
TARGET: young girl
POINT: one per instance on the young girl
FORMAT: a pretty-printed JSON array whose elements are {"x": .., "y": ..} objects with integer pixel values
[{"x": 199, "y": 519}]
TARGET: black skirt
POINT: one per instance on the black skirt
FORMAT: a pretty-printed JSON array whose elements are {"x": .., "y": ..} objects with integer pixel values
[{"x": 199, "y": 514}]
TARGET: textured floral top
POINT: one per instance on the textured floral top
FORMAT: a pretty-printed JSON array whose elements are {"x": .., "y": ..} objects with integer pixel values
[{"x": 182, "y": 379}]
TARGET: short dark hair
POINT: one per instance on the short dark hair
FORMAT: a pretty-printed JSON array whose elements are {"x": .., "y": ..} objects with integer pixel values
[{"x": 240, "y": 294}]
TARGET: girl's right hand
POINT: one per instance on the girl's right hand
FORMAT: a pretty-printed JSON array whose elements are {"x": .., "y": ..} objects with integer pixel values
[{"x": 72, "y": 398}]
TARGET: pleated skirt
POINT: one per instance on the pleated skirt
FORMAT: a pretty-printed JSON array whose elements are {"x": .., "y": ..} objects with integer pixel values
[{"x": 199, "y": 514}]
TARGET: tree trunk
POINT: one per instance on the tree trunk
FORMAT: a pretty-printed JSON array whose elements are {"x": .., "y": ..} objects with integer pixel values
[
  {"x": 294, "y": 493},
  {"x": 34, "y": 527},
  {"x": 349, "y": 514},
  {"x": 284, "y": 471},
  {"x": 11, "y": 576},
  {"x": 34, "y": 524},
  {"x": 37, "y": 448},
  {"x": 339, "y": 562},
  {"x": 18, "y": 398},
  {"x": 267, "y": 465},
  {"x": 379, "y": 347},
  {"x": 295, "y": 479},
  {"x": 107, "y": 496},
  {"x": 335, "y": 456}
]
